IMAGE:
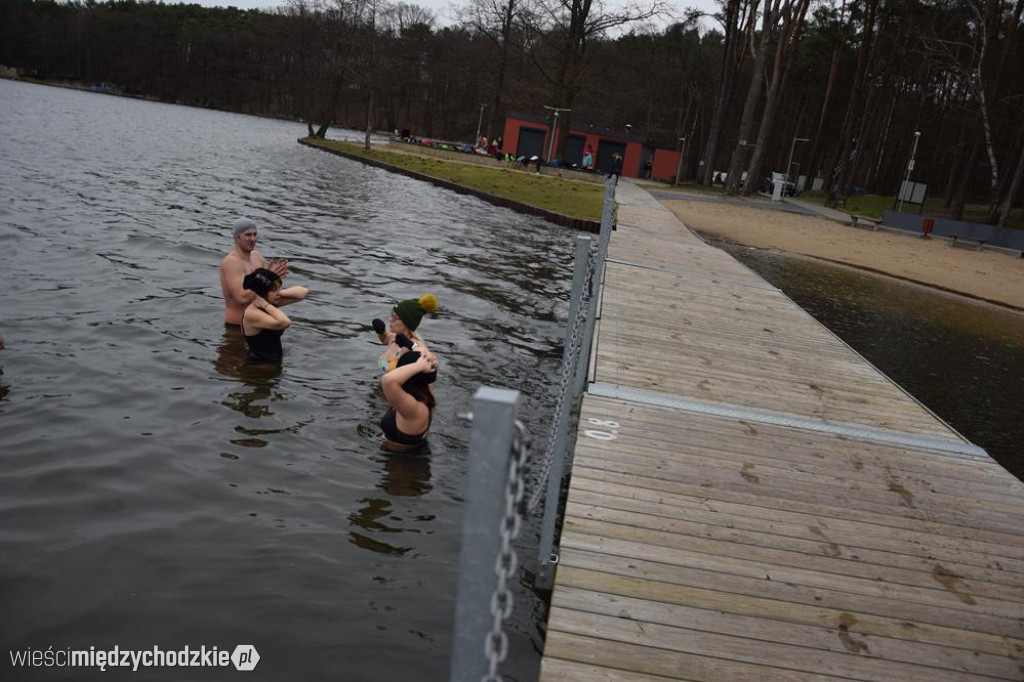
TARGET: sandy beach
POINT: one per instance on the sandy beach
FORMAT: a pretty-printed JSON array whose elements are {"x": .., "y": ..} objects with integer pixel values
[{"x": 987, "y": 275}]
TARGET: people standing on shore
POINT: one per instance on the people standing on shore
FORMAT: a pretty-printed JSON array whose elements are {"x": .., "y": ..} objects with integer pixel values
[
  {"x": 405, "y": 318},
  {"x": 243, "y": 260},
  {"x": 408, "y": 391},
  {"x": 588, "y": 157},
  {"x": 263, "y": 323}
]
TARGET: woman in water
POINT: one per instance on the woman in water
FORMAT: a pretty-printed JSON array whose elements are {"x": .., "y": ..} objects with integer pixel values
[
  {"x": 405, "y": 318},
  {"x": 407, "y": 389},
  {"x": 263, "y": 323}
]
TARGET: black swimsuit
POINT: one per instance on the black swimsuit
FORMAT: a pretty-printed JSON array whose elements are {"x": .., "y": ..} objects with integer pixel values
[
  {"x": 389, "y": 425},
  {"x": 266, "y": 346}
]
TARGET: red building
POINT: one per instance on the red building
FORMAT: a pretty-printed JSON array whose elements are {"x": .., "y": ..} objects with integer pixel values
[{"x": 527, "y": 135}]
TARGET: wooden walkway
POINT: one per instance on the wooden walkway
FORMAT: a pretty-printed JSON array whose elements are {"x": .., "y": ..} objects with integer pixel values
[{"x": 752, "y": 500}]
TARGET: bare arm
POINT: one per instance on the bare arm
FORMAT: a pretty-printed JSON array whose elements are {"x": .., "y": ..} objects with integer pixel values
[
  {"x": 232, "y": 272},
  {"x": 292, "y": 295},
  {"x": 391, "y": 384},
  {"x": 263, "y": 315}
]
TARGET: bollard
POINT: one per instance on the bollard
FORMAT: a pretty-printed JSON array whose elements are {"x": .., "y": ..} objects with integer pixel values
[
  {"x": 490, "y": 445},
  {"x": 545, "y": 571}
]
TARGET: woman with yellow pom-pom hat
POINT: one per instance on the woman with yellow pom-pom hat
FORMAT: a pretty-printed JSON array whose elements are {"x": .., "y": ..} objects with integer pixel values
[{"x": 405, "y": 318}]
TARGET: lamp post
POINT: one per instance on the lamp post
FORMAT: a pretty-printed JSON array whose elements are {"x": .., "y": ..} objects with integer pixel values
[
  {"x": 479, "y": 123},
  {"x": 791, "y": 147},
  {"x": 910, "y": 167},
  {"x": 679, "y": 166},
  {"x": 554, "y": 128}
]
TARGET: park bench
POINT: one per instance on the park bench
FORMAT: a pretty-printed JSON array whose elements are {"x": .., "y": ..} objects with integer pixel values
[
  {"x": 965, "y": 243},
  {"x": 863, "y": 223}
]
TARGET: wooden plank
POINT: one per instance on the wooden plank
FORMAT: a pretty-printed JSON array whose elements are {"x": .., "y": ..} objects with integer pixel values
[
  {"x": 741, "y": 649},
  {"x": 684, "y": 478},
  {"x": 936, "y": 586},
  {"x": 813, "y": 612},
  {"x": 808, "y": 539},
  {"x": 674, "y": 665},
  {"x": 553, "y": 669},
  {"x": 835, "y": 558},
  {"x": 836, "y": 640},
  {"x": 790, "y": 584},
  {"x": 994, "y": 544}
]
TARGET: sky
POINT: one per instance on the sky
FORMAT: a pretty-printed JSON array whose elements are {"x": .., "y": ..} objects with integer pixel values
[{"x": 443, "y": 8}]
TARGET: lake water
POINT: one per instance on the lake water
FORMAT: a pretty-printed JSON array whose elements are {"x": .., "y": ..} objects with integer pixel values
[{"x": 154, "y": 490}]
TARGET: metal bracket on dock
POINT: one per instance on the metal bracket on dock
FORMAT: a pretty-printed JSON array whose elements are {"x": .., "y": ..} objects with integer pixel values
[{"x": 888, "y": 436}]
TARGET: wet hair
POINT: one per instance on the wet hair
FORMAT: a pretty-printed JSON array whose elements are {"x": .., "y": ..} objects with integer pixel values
[
  {"x": 418, "y": 386},
  {"x": 260, "y": 281}
]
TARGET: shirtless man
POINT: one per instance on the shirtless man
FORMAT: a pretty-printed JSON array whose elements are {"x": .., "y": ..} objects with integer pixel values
[{"x": 242, "y": 260}]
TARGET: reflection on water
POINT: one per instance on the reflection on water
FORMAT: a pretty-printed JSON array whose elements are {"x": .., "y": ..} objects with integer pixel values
[
  {"x": 157, "y": 487},
  {"x": 959, "y": 358},
  {"x": 403, "y": 475}
]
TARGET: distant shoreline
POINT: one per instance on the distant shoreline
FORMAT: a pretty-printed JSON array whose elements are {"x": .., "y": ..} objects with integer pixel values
[{"x": 981, "y": 276}]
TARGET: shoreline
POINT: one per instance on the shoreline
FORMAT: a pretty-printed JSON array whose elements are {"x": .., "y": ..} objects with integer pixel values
[{"x": 986, "y": 278}]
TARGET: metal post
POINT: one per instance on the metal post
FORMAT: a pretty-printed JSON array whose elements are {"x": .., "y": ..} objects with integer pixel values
[
  {"x": 910, "y": 167},
  {"x": 607, "y": 222},
  {"x": 490, "y": 444},
  {"x": 679, "y": 166},
  {"x": 479, "y": 123},
  {"x": 545, "y": 560},
  {"x": 554, "y": 132},
  {"x": 790, "y": 163}
]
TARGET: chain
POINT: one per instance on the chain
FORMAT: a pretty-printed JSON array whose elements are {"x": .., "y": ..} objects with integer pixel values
[
  {"x": 496, "y": 642},
  {"x": 575, "y": 339}
]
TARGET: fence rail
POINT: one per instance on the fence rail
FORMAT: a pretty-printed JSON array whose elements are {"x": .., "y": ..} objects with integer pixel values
[{"x": 495, "y": 486}]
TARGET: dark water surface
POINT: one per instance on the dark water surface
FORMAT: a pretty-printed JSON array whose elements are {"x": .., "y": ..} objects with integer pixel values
[
  {"x": 963, "y": 360},
  {"x": 156, "y": 491}
]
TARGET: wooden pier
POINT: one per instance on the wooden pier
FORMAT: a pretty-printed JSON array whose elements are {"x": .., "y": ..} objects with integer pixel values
[{"x": 752, "y": 500}]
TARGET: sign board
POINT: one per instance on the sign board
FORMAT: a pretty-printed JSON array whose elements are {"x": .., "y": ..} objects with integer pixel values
[{"x": 912, "y": 192}]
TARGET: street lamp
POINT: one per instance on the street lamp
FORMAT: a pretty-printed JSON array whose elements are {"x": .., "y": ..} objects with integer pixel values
[
  {"x": 910, "y": 167},
  {"x": 679, "y": 166},
  {"x": 790, "y": 164},
  {"x": 554, "y": 128},
  {"x": 479, "y": 123}
]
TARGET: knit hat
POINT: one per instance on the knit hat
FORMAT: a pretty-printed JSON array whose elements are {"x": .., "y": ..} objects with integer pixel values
[
  {"x": 260, "y": 281},
  {"x": 421, "y": 378},
  {"x": 411, "y": 310},
  {"x": 242, "y": 225}
]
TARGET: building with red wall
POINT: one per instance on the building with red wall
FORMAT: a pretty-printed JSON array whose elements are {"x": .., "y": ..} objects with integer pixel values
[{"x": 527, "y": 135}]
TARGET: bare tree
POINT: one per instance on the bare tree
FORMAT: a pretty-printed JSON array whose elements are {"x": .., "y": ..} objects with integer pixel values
[
  {"x": 793, "y": 13},
  {"x": 568, "y": 26},
  {"x": 496, "y": 20}
]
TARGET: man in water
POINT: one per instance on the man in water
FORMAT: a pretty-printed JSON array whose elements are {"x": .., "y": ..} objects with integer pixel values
[{"x": 242, "y": 260}]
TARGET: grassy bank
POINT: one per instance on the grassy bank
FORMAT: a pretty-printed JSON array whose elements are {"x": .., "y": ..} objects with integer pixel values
[
  {"x": 576, "y": 199},
  {"x": 873, "y": 206}
]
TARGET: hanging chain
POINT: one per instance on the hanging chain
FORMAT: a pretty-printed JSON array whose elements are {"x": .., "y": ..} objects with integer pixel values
[
  {"x": 575, "y": 340},
  {"x": 496, "y": 641}
]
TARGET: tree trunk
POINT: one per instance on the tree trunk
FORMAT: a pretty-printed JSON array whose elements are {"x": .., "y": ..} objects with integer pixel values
[
  {"x": 965, "y": 180},
  {"x": 1011, "y": 195},
  {"x": 785, "y": 58},
  {"x": 743, "y": 142},
  {"x": 815, "y": 148},
  {"x": 847, "y": 147},
  {"x": 1014, "y": 189},
  {"x": 732, "y": 14}
]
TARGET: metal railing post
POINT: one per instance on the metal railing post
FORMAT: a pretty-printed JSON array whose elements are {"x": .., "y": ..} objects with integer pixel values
[
  {"x": 545, "y": 572},
  {"x": 607, "y": 223},
  {"x": 490, "y": 447}
]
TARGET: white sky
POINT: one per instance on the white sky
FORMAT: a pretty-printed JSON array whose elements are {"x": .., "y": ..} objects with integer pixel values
[{"x": 443, "y": 8}]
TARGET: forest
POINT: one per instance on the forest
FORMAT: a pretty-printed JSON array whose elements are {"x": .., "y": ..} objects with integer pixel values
[{"x": 849, "y": 91}]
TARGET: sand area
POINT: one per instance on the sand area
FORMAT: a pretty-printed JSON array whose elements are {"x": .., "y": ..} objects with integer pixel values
[{"x": 988, "y": 275}]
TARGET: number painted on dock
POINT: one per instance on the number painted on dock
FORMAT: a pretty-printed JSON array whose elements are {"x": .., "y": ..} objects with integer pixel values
[{"x": 599, "y": 434}]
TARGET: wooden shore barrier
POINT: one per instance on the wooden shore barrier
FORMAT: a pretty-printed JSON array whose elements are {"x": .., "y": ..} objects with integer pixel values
[{"x": 752, "y": 500}]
